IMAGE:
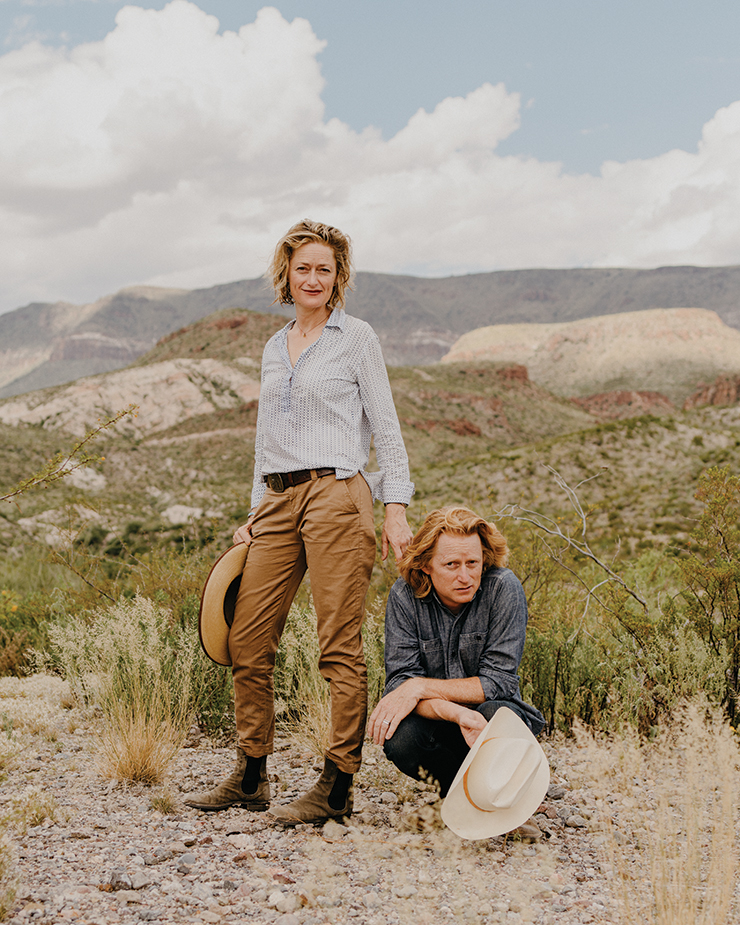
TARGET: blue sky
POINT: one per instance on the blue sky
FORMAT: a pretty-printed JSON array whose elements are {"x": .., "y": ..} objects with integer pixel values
[
  {"x": 601, "y": 79},
  {"x": 154, "y": 144}
]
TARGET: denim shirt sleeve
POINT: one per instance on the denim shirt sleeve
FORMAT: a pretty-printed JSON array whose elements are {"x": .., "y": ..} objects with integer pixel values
[
  {"x": 402, "y": 644},
  {"x": 504, "y": 600}
]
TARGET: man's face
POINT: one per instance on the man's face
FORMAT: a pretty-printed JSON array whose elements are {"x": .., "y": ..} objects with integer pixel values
[{"x": 456, "y": 568}]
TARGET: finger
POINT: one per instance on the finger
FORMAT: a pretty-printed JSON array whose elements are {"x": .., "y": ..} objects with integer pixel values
[{"x": 384, "y": 547}]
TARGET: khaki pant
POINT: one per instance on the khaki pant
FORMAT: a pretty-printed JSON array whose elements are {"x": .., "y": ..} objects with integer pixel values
[{"x": 325, "y": 525}]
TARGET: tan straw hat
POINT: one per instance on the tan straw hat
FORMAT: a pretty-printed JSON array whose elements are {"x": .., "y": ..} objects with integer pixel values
[
  {"x": 217, "y": 603},
  {"x": 502, "y": 781}
]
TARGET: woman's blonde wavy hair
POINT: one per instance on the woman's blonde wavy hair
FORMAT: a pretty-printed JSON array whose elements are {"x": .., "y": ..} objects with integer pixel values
[
  {"x": 308, "y": 232},
  {"x": 456, "y": 521}
]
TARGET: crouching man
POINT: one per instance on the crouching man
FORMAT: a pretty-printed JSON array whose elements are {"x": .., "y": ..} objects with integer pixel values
[{"x": 454, "y": 637}]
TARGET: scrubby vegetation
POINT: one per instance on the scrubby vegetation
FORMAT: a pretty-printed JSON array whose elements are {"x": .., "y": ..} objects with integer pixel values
[{"x": 625, "y": 534}]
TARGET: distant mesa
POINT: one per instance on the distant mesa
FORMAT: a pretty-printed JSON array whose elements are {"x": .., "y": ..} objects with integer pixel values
[{"x": 663, "y": 350}]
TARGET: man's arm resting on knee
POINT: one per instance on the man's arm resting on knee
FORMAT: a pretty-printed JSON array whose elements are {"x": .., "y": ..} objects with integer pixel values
[
  {"x": 471, "y": 722},
  {"x": 407, "y": 697}
]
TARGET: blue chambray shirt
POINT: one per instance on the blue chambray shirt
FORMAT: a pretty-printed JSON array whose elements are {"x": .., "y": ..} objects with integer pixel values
[
  {"x": 323, "y": 411},
  {"x": 485, "y": 640}
]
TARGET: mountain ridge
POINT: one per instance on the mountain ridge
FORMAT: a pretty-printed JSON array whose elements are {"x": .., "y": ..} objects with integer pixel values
[{"x": 417, "y": 319}]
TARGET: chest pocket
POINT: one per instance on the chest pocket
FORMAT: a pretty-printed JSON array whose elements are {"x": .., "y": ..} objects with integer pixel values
[
  {"x": 432, "y": 658},
  {"x": 471, "y": 649}
]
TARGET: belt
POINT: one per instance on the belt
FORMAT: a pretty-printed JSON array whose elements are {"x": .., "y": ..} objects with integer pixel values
[{"x": 279, "y": 481}]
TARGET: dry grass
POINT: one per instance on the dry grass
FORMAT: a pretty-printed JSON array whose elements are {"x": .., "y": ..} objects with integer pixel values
[
  {"x": 130, "y": 665},
  {"x": 31, "y": 808},
  {"x": 302, "y": 699},
  {"x": 8, "y": 876},
  {"x": 670, "y": 814}
]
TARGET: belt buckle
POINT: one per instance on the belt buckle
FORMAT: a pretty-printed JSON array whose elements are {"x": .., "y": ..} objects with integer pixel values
[{"x": 275, "y": 481}]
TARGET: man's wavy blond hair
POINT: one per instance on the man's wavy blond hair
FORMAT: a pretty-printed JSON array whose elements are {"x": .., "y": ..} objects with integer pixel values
[
  {"x": 308, "y": 232},
  {"x": 456, "y": 521}
]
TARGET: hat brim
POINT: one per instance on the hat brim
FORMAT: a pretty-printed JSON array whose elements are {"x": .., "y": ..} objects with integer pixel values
[
  {"x": 469, "y": 821},
  {"x": 217, "y": 603}
]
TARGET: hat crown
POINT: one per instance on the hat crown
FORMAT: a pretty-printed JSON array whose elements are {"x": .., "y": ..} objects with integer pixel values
[{"x": 502, "y": 772}]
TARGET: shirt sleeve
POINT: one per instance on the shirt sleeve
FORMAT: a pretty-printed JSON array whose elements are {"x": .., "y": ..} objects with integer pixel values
[
  {"x": 258, "y": 486},
  {"x": 402, "y": 649},
  {"x": 507, "y": 629},
  {"x": 377, "y": 402}
]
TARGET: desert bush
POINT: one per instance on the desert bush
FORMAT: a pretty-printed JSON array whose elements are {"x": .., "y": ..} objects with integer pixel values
[
  {"x": 132, "y": 665},
  {"x": 627, "y": 641},
  {"x": 711, "y": 600},
  {"x": 22, "y": 628}
]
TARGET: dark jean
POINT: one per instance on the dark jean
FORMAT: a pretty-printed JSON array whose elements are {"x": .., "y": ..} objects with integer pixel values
[{"x": 432, "y": 749}]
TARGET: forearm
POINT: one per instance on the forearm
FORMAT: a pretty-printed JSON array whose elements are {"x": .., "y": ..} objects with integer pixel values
[
  {"x": 446, "y": 710},
  {"x": 454, "y": 690}
]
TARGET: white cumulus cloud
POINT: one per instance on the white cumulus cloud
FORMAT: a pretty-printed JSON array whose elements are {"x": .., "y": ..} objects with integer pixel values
[{"x": 172, "y": 154}]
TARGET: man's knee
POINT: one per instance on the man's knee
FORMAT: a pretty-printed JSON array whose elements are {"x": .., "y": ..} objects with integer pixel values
[{"x": 533, "y": 720}]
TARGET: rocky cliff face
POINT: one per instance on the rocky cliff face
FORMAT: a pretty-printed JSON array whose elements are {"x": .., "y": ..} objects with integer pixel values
[
  {"x": 165, "y": 394},
  {"x": 661, "y": 350}
]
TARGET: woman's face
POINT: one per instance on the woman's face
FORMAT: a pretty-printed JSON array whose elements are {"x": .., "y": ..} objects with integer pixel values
[{"x": 311, "y": 275}]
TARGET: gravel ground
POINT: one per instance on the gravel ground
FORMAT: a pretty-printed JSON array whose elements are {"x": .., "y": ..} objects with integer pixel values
[{"x": 112, "y": 853}]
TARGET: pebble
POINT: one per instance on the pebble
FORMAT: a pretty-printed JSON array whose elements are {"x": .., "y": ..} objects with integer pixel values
[{"x": 109, "y": 859}]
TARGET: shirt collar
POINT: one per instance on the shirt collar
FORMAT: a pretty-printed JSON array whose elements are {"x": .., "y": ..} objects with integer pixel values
[
  {"x": 462, "y": 610},
  {"x": 337, "y": 319}
]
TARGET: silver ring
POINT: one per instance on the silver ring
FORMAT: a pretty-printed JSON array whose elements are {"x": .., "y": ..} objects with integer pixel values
[{"x": 385, "y": 723}]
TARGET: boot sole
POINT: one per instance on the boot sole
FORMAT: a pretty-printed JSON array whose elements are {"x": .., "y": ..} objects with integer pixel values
[
  {"x": 290, "y": 822},
  {"x": 211, "y": 808}
]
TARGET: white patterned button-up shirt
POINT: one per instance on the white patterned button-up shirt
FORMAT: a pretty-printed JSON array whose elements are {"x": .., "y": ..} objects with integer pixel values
[{"x": 323, "y": 411}]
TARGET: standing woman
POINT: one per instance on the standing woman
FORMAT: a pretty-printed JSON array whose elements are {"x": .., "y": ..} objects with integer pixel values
[{"x": 325, "y": 393}]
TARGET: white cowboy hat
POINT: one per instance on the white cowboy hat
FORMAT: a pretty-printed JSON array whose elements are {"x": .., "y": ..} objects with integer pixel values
[
  {"x": 217, "y": 603},
  {"x": 502, "y": 781}
]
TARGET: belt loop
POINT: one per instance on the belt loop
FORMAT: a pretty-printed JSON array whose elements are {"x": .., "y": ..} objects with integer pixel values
[{"x": 314, "y": 475}]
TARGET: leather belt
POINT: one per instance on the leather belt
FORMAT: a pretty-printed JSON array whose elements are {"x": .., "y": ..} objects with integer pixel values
[{"x": 279, "y": 481}]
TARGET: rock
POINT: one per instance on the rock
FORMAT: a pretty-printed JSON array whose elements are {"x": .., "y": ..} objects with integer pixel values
[
  {"x": 119, "y": 879},
  {"x": 405, "y": 891},
  {"x": 334, "y": 829},
  {"x": 140, "y": 880},
  {"x": 528, "y": 831}
]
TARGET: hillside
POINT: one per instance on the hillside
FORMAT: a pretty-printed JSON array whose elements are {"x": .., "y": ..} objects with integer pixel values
[
  {"x": 672, "y": 351},
  {"x": 480, "y": 434},
  {"x": 416, "y": 319}
]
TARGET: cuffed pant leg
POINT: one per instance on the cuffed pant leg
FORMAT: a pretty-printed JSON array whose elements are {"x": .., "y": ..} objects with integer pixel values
[
  {"x": 338, "y": 532},
  {"x": 423, "y": 748},
  {"x": 273, "y": 571}
]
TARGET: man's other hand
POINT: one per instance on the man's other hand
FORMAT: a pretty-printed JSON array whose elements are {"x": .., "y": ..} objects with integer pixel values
[{"x": 471, "y": 724}]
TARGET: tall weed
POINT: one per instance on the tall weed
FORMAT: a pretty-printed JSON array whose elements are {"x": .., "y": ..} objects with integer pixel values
[
  {"x": 670, "y": 813},
  {"x": 131, "y": 664}
]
